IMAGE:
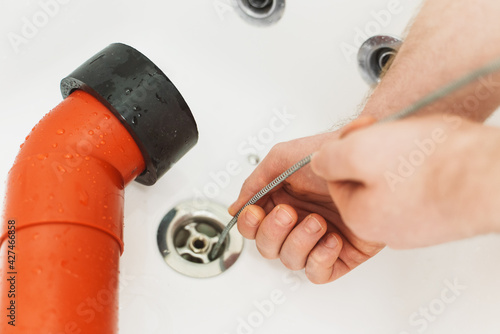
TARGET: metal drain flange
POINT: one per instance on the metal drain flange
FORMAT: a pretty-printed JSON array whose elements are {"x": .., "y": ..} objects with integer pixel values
[
  {"x": 187, "y": 234},
  {"x": 260, "y": 12}
]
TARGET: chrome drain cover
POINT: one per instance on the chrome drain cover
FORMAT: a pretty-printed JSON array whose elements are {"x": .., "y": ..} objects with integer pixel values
[
  {"x": 260, "y": 12},
  {"x": 187, "y": 234}
]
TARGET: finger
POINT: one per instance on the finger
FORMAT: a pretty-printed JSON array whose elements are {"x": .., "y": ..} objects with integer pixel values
[
  {"x": 249, "y": 221},
  {"x": 279, "y": 159},
  {"x": 261, "y": 176},
  {"x": 322, "y": 265},
  {"x": 274, "y": 229},
  {"x": 357, "y": 124},
  {"x": 301, "y": 241},
  {"x": 344, "y": 196},
  {"x": 335, "y": 161}
]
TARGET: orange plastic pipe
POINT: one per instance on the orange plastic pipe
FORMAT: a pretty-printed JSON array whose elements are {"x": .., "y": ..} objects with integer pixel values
[{"x": 65, "y": 199}]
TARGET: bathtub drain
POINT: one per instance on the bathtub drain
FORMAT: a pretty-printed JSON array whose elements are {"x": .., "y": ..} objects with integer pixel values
[
  {"x": 186, "y": 237},
  {"x": 260, "y": 12},
  {"x": 375, "y": 54}
]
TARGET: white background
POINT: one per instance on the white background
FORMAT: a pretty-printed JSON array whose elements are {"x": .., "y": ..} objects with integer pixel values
[{"x": 233, "y": 75}]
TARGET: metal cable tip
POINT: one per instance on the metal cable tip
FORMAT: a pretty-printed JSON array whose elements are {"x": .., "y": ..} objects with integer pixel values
[{"x": 282, "y": 177}]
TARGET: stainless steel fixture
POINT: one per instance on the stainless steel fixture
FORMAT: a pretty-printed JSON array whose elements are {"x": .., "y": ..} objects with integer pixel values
[
  {"x": 186, "y": 237},
  {"x": 375, "y": 54},
  {"x": 260, "y": 12}
]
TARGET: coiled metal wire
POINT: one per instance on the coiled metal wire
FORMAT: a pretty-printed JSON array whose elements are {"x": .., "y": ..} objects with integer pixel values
[
  {"x": 274, "y": 183},
  {"x": 427, "y": 100}
]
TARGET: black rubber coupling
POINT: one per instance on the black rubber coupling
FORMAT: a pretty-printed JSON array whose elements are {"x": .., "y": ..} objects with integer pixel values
[{"x": 146, "y": 102}]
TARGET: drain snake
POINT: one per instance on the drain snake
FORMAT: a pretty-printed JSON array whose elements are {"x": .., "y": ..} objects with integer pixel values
[{"x": 410, "y": 110}]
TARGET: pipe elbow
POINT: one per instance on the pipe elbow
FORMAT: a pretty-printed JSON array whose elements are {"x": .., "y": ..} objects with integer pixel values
[
  {"x": 63, "y": 212},
  {"x": 73, "y": 167}
]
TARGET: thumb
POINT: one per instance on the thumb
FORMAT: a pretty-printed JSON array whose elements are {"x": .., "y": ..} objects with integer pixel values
[
  {"x": 335, "y": 163},
  {"x": 358, "y": 123}
]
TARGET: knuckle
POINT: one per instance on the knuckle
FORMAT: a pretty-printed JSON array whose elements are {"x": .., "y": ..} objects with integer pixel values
[
  {"x": 352, "y": 159},
  {"x": 254, "y": 182},
  {"x": 353, "y": 259},
  {"x": 276, "y": 150},
  {"x": 316, "y": 257},
  {"x": 260, "y": 181},
  {"x": 247, "y": 183}
]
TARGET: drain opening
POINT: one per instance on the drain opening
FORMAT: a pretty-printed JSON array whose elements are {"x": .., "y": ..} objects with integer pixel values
[
  {"x": 384, "y": 57},
  {"x": 261, "y": 12},
  {"x": 376, "y": 54},
  {"x": 198, "y": 245},
  {"x": 187, "y": 235},
  {"x": 380, "y": 59},
  {"x": 195, "y": 239},
  {"x": 261, "y": 4}
]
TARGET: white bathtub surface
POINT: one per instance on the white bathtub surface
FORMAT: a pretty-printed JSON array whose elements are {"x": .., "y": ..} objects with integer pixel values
[{"x": 236, "y": 79}]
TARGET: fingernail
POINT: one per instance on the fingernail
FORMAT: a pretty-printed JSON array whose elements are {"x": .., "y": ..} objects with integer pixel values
[
  {"x": 312, "y": 225},
  {"x": 331, "y": 241},
  {"x": 251, "y": 219},
  {"x": 283, "y": 217}
]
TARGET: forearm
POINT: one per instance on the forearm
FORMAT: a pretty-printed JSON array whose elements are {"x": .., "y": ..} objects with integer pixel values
[{"x": 448, "y": 39}]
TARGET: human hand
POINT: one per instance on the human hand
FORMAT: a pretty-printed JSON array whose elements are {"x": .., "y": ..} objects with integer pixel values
[
  {"x": 415, "y": 182},
  {"x": 298, "y": 221}
]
